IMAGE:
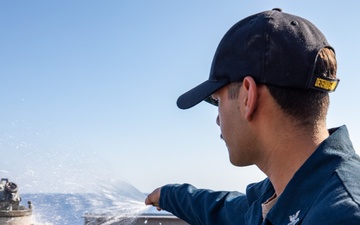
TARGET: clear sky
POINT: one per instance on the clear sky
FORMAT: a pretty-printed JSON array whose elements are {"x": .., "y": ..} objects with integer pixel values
[{"x": 88, "y": 89}]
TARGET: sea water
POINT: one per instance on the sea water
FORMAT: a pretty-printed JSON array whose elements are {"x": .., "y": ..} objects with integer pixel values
[
  {"x": 62, "y": 187},
  {"x": 117, "y": 202}
]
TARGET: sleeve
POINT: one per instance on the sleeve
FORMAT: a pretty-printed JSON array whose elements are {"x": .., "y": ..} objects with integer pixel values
[{"x": 201, "y": 206}]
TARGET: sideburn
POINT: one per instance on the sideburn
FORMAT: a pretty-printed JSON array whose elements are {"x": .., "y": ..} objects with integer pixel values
[{"x": 233, "y": 90}]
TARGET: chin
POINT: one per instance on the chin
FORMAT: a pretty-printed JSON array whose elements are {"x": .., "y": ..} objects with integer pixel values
[
  {"x": 239, "y": 163},
  {"x": 234, "y": 162}
]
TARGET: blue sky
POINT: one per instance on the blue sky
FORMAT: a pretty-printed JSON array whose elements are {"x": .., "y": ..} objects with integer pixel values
[{"x": 88, "y": 89}]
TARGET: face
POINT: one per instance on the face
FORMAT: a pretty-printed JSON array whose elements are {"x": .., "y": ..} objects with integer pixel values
[{"x": 234, "y": 127}]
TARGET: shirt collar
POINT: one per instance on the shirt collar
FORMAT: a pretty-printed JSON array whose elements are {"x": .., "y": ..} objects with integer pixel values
[{"x": 303, "y": 188}]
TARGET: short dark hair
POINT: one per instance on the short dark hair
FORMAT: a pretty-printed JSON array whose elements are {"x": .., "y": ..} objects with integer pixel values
[{"x": 307, "y": 106}]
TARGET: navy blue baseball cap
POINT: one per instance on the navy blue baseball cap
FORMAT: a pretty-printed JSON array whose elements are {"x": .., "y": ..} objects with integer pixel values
[{"x": 273, "y": 48}]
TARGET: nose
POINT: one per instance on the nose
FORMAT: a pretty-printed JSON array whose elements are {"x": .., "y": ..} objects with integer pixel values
[{"x": 218, "y": 120}]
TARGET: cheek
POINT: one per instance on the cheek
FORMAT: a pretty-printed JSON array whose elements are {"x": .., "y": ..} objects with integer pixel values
[
  {"x": 232, "y": 128},
  {"x": 228, "y": 119},
  {"x": 227, "y": 127}
]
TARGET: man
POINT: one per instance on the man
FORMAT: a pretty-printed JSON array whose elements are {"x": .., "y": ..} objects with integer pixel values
[{"x": 270, "y": 79}]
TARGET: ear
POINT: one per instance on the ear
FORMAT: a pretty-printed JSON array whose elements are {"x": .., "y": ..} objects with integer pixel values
[{"x": 250, "y": 97}]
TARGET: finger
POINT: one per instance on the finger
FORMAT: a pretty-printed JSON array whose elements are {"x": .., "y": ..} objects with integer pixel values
[{"x": 147, "y": 201}]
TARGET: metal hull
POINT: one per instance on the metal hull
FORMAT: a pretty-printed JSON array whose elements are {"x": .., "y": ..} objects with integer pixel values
[
  {"x": 143, "y": 219},
  {"x": 19, "y": 217}
]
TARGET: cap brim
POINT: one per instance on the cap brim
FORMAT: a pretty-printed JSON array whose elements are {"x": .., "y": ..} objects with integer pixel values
[{"x": 199, "y": 93}]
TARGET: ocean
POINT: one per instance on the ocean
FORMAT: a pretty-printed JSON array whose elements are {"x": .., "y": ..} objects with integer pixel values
[{"x": 115, "y": 201}]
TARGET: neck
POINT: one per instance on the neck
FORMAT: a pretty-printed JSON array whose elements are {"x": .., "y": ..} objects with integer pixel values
[{"x": 286, "y": 149}]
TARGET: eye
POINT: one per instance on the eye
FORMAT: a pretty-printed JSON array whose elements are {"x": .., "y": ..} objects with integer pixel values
[{"x": 214, "y": 101}]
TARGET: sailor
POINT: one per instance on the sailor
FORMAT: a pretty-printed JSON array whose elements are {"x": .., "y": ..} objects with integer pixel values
[{"x": 270, "y": 79}]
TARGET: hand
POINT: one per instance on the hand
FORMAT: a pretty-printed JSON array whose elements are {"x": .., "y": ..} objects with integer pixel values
[{"x": 153, "y": 198}]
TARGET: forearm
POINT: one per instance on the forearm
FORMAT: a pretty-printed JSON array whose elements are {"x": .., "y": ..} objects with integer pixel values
[{"x": 199, "y": 206}]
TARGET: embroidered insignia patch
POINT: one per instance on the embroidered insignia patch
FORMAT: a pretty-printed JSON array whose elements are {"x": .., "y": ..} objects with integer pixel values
[{"x": 294, "y": 218}]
